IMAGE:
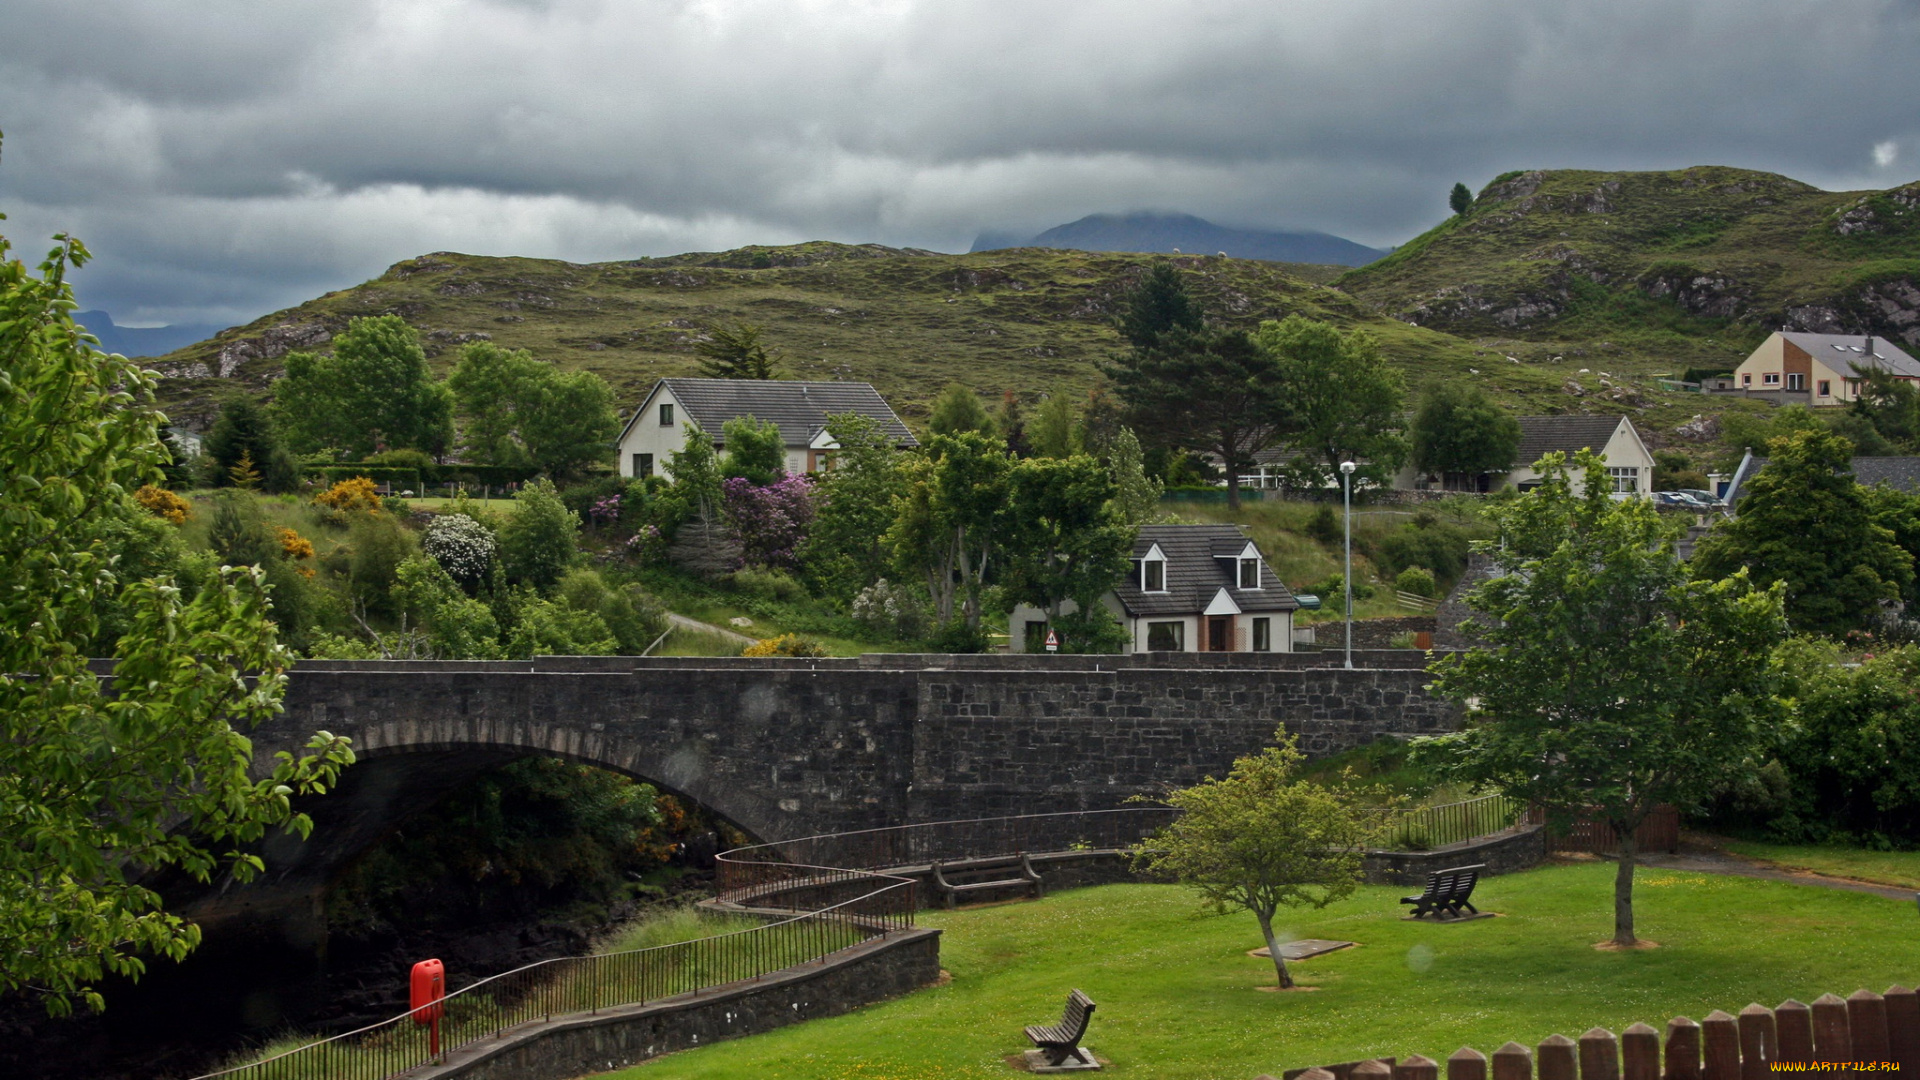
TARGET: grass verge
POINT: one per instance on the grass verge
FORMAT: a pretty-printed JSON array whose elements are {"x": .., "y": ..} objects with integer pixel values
[{"x": 1900, "y": 869}]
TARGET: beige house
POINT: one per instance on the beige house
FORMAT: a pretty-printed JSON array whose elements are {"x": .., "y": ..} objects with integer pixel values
[
  {"x": 658, "y": 428},
  {"x": 1818, "y": 369},
  {"x": 1190, "y": 588},
  {"x": 1629, "y": 462}
]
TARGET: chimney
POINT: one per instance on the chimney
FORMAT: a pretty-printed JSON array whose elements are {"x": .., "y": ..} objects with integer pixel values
[{"x": 1869, "y": 344}]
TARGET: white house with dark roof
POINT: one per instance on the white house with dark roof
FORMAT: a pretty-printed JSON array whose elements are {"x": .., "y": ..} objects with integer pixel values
[
  {"x": 1190, "y": 588},
  {"x": 658, "y": 428},
  {"x": 1629, "y": 462},
  {"x": 1818, "y": 369}
]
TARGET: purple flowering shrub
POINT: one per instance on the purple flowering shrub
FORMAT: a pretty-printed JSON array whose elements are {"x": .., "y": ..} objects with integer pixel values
[
  {"x": 605, "y": 511},
  {"x": 770, "y": 521}
]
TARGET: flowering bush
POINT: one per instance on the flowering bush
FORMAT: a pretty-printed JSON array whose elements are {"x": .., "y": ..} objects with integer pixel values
[
  {"x": 462, "y": 546},
  {"x": 350, "y": 496},
  {"x": 648, "y": 545},
  {"x": 785, "y": 645},
  {"x": 890, "y": 609},
  {"x": 770, "y": 521},
  {"x": 293, "y": 545},
  {"x": 605, "y": 511},
  {"x": 162, "y": 503}
]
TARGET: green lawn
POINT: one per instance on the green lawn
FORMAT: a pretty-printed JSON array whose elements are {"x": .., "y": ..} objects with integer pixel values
[
  {"x": 1177, "y": 995},
  {"x": 1897, "y": 868}
]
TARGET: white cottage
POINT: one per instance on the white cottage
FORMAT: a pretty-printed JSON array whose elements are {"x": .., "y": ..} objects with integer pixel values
[
  {"x": 1629, "y": 462},
  {"x": 658, "y": 428},
  {"x": 1191, "y": 588}
]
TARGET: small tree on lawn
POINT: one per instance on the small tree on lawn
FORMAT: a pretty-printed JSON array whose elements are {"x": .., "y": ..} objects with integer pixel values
[
  {"x": 1262, "y": 839},
  {"x": 1605, "y": 679}
]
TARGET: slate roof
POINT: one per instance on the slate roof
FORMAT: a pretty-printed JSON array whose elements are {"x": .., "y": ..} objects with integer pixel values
[
  {"x": 1566, "y": 434},
  {"x": 1849, "y": 354},
  {"x": 1200, "y": 562},
  {"x": 1895, "y": 472},
  {"x": 800, "y": 409}
]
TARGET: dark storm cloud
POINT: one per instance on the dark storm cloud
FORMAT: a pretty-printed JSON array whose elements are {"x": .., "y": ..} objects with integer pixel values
[{"x": 226, "y": 158}]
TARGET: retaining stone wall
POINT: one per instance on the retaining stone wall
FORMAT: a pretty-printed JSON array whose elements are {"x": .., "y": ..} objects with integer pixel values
[
  {"x": 1372, "y": 634},
  {"x": 1512, "y": 851}
]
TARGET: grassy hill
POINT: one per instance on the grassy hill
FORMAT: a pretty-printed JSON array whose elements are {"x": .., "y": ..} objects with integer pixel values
[
  {"x": 1694, "y": 265},
  {"x": 1032, "y": 321}
]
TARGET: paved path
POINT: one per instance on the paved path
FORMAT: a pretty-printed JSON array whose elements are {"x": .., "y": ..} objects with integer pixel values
[
  {"x": 734, "y": 636},
  {"x": 1720, "y": 862}
]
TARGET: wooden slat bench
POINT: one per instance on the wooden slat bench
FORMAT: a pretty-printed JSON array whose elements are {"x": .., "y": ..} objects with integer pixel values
[
  {"x": 1059, "y": 1041},
  {"x": 976, "y": 875},
  {"x": 1447, "y": 893}
]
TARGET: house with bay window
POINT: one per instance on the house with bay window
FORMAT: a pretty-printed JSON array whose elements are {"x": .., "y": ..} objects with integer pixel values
[
  {"x": 1189, "y": 588},
  {"x": 1629, "y": 462}
]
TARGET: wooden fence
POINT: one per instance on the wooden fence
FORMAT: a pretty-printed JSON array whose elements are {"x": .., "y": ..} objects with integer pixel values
[
  {"x": 1866, "y": 1032},
  {"x": 1660, "y": 832}
]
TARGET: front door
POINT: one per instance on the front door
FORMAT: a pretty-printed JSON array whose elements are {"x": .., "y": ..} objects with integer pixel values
[{"x": 1219, "y": 633}]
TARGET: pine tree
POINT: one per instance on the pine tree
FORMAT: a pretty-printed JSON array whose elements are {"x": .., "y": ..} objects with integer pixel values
[{"x": 1461, "y": 200}]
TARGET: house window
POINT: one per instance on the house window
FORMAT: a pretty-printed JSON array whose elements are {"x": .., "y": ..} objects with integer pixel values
[
  {"x": 1746, "y": 380},
  {"x": 1263, "y": 635},
  {"x": 1771, "y": 378},
  {"x": 1625, "y": 480},
  {"x": 666, "y": 414},
  {"x": 1153, "y": 575},
  {"x": 1166, "y": 637},
  {"x": 1796, "y": 381},
  {"x": 642, "y": 466},
  {"x": 1249, "y": 573},
  {"x": 1826, "y": 388}
]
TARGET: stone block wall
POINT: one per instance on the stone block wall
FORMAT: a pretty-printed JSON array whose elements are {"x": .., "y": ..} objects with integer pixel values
[
  {"x": 1372, "y": 634},
  {"x": 1520, "y": 848}
]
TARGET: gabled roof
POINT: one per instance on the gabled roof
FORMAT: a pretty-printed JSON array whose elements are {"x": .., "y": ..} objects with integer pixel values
[
  {"x": 1895, "y": 472},
  {"x": 1568, "y": 435},
  {"x": 800, "y": 409},
  {"x": 1852, "y": 355},
  {"x": 1201, "y": 564}
]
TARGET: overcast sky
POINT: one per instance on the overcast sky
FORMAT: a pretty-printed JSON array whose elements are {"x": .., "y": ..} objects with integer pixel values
[{"x": 223, "y": 159}]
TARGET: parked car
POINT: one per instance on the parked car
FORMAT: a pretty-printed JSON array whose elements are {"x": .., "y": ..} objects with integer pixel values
[
  {"x": 1673, "y": 500},
  {"x": 1705, "y": 498}
]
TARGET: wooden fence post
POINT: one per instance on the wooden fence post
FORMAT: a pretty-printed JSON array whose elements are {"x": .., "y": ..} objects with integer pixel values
[
  {"x": 1793, "y": 1026},
  {"x": 1903, "y": 1027},
  {"x": 1512, "y": 1062},
  {"x": 1467, "y": 1063},
  {"x": 1683, "y": 1049},
  {"x": 1759, "y": 1044},
  {"x": 1599, "y": 1055},
  {"x": 1557, "y": 1059},
  {"x": 1867, "y": 1024},
  {"x": 1720, "y": 1039},
  {"x": 1640, "y": 1053},
  {"x": 1371, "y": 1070},
  {"x": 1417, "y": 1068},
  {"x": 1831, "y": 1040}
]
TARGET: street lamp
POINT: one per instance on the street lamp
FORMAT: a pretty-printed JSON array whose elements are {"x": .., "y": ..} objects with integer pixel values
[{"x": 1346, "y": 493}]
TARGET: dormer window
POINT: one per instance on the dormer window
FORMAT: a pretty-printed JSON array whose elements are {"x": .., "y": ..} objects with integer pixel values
[
  {"x": 1249, "y": 573},
  {"x": 1153, "y": 575}
]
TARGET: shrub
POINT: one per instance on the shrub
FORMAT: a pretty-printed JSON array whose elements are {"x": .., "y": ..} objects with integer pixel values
[
  {"x": 162, "y": 503},
  {"x": 1417, "y": 580},
  {"x": 1439, "y": 546},
  {"x": 237, "y": 533},
  {"x": 958, "y": 637},
  {"x": 1324, "y": 525},
  {"x": 463, "y": 547},
  {"x": 401, "y": 459},
  {"x": 378, "y": 545},
  {"x": 293, "y": 545},
  {"x": 775, "y": 585},
  {"x": 350, "y": 496},
  {"x": 891, "y": 611},
  {"x": 770, "y": 520},
  {"x": 536, "y": 543},
  {"x": 544, "y": 628},
  {"x": 785, "y": 645},
  {"x": 631, "y": 616}
]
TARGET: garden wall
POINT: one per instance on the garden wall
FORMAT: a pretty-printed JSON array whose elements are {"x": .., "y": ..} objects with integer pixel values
[
  {"x": 578, "y": 1045},
  {"x": 1519, "y": 848},
  {"x": 1371, "y": 634}
]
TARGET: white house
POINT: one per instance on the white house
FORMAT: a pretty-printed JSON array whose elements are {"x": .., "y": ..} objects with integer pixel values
[
  {"x": 1817, "y": 369},
  {"x": 1629, "y": 462},
  {"x": 658, "y": 428},
  {"x": 1191, "y": 588}
]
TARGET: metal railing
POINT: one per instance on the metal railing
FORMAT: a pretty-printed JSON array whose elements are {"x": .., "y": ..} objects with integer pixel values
[
  {"x": 1425, "y": 827},
  {"x": 751, "y": 874},
  {"x": 833, "y": 909}
]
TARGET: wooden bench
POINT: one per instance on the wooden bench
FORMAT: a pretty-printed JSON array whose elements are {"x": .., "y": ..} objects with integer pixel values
[
  {"x": 1059, "y": 1041},
  {"x": 1447, "y": 893},
  {"x": 974, "y": 875}
]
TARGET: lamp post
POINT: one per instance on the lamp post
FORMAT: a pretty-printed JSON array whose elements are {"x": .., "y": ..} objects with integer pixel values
[{"x": 1346, "y": 498}]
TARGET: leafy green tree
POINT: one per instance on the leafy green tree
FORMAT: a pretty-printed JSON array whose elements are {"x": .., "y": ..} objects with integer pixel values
[
  {"x": 958, "y": 409},
  {"x": 735, "y": 352},
  {"x": 536, "y": 542},
  {"x": 1740, "y": 432},
  {"x": 1805, "y": 523},
  {"x": 1262, "y": 839},
  {"x": 245, "y": 430},
  {"x": 491, "y": 387},
  {"x": 846, "y": 547},
  {"x": 1345, "y": 397},
  {"x": 543, "y": 627},
  {"x": 238, "y": 534},
  {"x": 1055, "y": 431},
  {"x": 1673, "y": 470},
  {"x": 631, "y": 616},
  {"x": 1892, "y": 406},
  {"x": 377, "y": 544},
  {"x": 1460, "y": 199},
  {"x": 457, "y": 626},
  {"x": 1204, "y": 390},
  {"x": 1604, "y": 680},
  {"x": 1852, "y": 756},
  {"x": 102, "y": 788},
  {"x": 950, "y": 526},
  {"x": 374, "y": 392},
  {"x": 516, "y": 410},
  {"x": 1136, "y": 496},
  {"x": 755, "y": 451},
  {"x": 1898, "y": 512},
  {"x": 1011, "y": 422},
  {"x": 1064, "y": 541},
  {"x": 1459, "y": 429},
  {"x": 573, "y": 424},
  {"x": 1156, "y": 306}
]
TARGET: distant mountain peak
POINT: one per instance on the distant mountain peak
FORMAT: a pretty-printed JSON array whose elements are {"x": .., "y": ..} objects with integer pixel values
[{"x": 1167, "y": 231}]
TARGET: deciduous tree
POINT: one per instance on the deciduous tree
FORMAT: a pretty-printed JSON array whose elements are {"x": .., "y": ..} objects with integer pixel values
[
  {"x": 516, "y": 410},
  {"x": 1459, "y": 429},
  {"x": 950, "y": 527},
  {"x": 1605, "y": 680},
  {"x": 1261, "y": 839},
  {"x": 1344, "y": 397},
  {"x": 958, "y": 410},
  {"x": 374, "y": 392},
  {"x": 1460, "y": 199},
  {"x": 1064, "y": 540},
  {"x": 846, "y": 549}
]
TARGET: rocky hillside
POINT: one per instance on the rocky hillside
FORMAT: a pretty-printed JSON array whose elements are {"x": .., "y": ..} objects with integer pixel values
[
  {"x": 1027, "y": 320},
  {"x": 1703, "y": 259}
]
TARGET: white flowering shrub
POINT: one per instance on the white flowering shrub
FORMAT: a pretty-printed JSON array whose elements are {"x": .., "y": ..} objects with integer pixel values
[
  {"x": 463, "y": 547},
  {"x": 890, "y": 609}
]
